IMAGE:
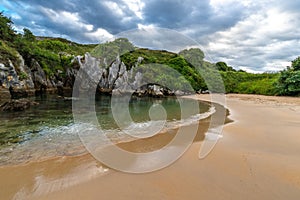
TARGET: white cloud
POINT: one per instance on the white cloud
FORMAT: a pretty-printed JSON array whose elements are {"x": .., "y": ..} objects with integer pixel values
[
  {"x": 68, "y": 19},
  {"x": 256, "y": 35},
  {"x": 136, "y": 6},
  {"x": 114, "y": 7},
  {"x": 219, "y": 6},
  {"x": 16, "y": 16},
  {"x": 100, "y": 35},
  {"x": 146, "y": 27},
  {"x": 261, "y": 42},
  {"x": 150, "y": 36},
  {"x": 248, "y": 69}
]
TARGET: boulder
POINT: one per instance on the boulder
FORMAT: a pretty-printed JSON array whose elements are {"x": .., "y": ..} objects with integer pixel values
[
  {"x": 179, "y": 93},
  {"x": 17, "y": 105},
  {"x": 3, "y": 68}
]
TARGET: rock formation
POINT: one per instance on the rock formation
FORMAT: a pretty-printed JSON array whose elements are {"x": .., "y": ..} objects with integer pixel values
[{"x": 22, "y": 81}]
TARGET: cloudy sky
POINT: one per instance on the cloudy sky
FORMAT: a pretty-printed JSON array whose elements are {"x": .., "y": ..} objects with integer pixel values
[{"x": 247, "y": 34}]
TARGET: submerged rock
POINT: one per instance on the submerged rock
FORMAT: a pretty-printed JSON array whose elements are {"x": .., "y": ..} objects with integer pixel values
[
  {"x": 17, "y": 105},
  {"x": 17, "y": 92},
  {"x": 4, "y": 95}
]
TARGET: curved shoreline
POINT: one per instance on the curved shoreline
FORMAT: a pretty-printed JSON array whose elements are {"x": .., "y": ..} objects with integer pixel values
[
  {"x": 165, "y": 133},
  {"x": 258, "y": 158},
  {"x": 79, "y": 167}
]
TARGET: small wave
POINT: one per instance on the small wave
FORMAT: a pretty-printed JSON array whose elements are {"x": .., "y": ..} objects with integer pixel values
[
  {"x": 65, "y": 141},
  {"x": 150, "y": 128},
  {"x": 51, "y": 142},
  {"x": 213, "y": 136},
  {"x": 195, "y": 118}
]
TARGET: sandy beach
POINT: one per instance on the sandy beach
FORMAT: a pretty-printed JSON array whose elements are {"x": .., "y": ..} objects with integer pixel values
[{"x": 258, "y": 158}]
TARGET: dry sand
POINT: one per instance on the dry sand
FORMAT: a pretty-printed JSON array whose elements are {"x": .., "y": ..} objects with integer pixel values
[{"x": 258, "y": 158}]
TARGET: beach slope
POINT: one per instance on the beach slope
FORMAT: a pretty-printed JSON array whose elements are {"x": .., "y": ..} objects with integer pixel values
[{"x": 258, "y": 158}]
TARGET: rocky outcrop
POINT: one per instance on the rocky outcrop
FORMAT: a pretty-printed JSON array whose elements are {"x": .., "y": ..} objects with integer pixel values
[
  {"x": 25, "y": 75},
  {"x": 154, "y": 90},
  {"x": 117, "y": 79},
  {"x": 114, "y": 78},
  {"x": 17, "y": 105},
  {"x": 23, "y": 81},
  {"x": 17, "y": 78},
  {"x": 41, "y": 83}
]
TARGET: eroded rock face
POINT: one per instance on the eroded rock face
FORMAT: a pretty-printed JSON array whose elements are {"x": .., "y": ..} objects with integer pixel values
[
  {"x": 39, "y": 76},
  {"x": 16, "y": 78},
  {"x": 108, "y": 79},
  {"x": 25, "y": 77},
  {"x": 23, "y": 81},
  {"x": 17, "y": 105},
  {"x": 117, "y": 79}
]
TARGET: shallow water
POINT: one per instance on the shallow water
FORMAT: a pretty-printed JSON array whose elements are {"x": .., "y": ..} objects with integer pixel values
[{"x": 48, "y": 130}]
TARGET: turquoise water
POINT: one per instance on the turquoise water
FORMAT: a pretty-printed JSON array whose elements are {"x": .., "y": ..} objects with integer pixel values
[{"x": 48, "y": 129}]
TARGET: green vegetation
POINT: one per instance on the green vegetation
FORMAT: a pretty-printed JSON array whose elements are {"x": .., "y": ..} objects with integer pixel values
[
  {"x": 223, "y": 67},
  {"x": 207, "y": 71},
  {"x": 234, "y": 81},
  {"x": 248, "y": 83},
  {"x": 289, "y": 80},
  {"x": 201, "y": 74},
  {"x": 149, "y": 66},
  {"x": 164, "y": 75},
  {"x": 164, "y": 58},
  {"x": 51, "y": 53},
  {"x": 110, "y": 50},
  {"x": 55, "y": 54},
  {"x": 6, "y": 31},
  {"x": 23, "y": 75},
  {"x": 7, "y": 52}
]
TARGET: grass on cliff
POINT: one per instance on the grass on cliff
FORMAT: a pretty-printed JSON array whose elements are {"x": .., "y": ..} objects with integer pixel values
[{"x": 7, "y": 53}]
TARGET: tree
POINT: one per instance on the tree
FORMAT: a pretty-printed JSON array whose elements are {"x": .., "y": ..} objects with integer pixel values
[
  {"x": 194, "y": 56},
  {"x": 6, "y": 31},
  {"x": 296, "y": 64},
  {"x": 222, "y": 66},
  {"x": 110, "y": 50},
  {"x": 289, "y": 80},
  {"x": 28, "y": 36}
]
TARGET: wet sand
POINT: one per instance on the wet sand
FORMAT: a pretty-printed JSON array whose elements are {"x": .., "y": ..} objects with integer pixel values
[{"x": 258, "y": 158}]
